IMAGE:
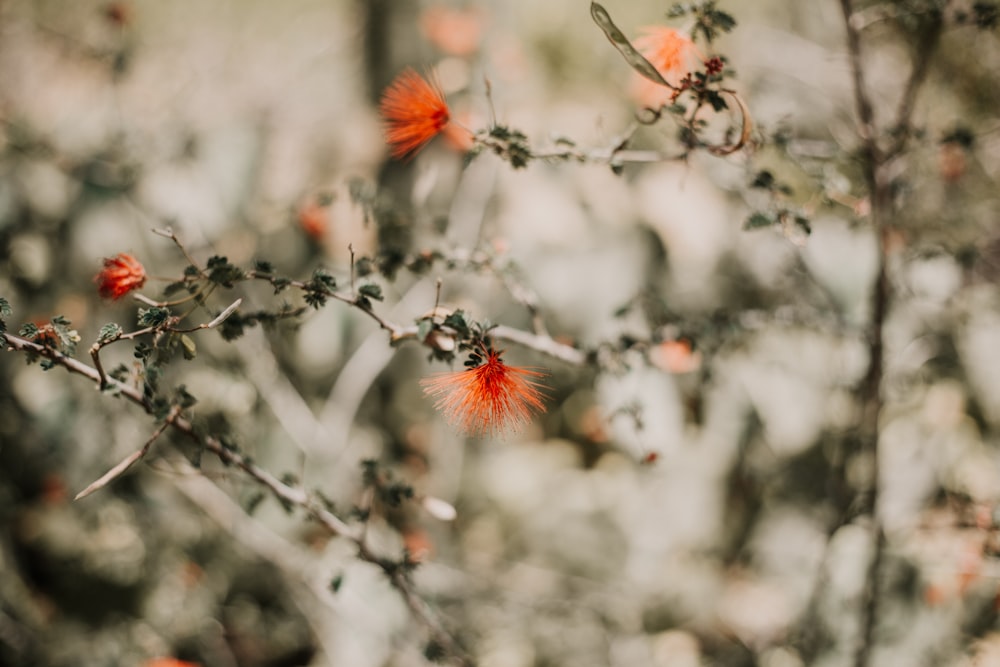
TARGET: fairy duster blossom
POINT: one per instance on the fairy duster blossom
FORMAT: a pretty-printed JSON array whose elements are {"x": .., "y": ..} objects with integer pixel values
[
  {"x": 414, "y": 112},
  {"x": 489, "y": 397},
  {"x": 674, "y": 56},
  {"x": 121, "y": 274}
]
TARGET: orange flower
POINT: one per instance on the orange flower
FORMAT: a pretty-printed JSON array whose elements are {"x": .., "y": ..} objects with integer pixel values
[
  {"x": 313, "y": 219},
  {"x": 121, "y": 274},
  {"x": 414, "y": 112},
  {"x": 487, "y": 397},
  {"x": 674, "y": 56},
  {"x": 675, "y": 356}
]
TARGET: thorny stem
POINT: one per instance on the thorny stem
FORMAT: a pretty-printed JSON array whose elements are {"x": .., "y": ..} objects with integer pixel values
[{"x": 287, "y": 494}]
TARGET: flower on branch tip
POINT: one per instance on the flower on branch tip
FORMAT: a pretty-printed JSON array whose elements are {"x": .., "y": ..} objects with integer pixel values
[
  {"x": 414, "y": 112},
  {"x": 673, "y": 54},
  {"x": 489, "y": 396},
  {"x": 121, "y": 274}
]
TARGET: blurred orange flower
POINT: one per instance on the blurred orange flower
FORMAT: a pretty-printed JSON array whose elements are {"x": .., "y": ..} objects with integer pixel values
[
  {"x": 487, "y": 397},
  {"x": 675, "y": 356},
  {"x": 674, "y": 56},
  {"x": 121, "y": 274},
  {"x": 414, "y": 112},
  {"x": 456, "y": 32},
  {"x": 313, "y": 218}
]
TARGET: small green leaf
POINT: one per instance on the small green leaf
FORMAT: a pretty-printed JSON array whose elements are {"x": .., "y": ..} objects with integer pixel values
[
  {"x": 190, "y": 350},
  {"x": 722, "y": 20},
  {"x": 323, "y": 280},
  {"x": 716, "y": 99},
  {"x": 153, "y": 317},
  {"x": 371, "y": 290},
  {"x": 676, "y": 11},
  {"x": 458, "y": 322},
  {"x": 221, "y": 272},
  {"x": 337, "y": 582},
  {"x": 174, "y": 287},
  {"x": 803, "y": 223},
  {"x": 28, "y": 330},
  {"x": 251, "y": 504},
  {"x": 758, "y": 220},
  {"x": 184, "y": 398},
  {"x": 617, "y": 38},
  {"x": 5, "y": 309},
  {"x": 109, "y": 332},
  {"x": 763, "y": 180},
  {"x": 424, "y": 327}
]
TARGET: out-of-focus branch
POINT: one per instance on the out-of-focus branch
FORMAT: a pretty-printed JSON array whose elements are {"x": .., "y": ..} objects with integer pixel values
[
  {"x": 871, "y": 386},
  {"x": 875, "y": 166}
]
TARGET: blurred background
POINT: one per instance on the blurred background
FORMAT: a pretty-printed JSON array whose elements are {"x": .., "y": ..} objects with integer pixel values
[{"x": 687, "y": 501}]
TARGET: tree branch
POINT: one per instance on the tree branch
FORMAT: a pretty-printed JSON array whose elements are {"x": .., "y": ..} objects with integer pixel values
[{"x": 290, "y": 495}]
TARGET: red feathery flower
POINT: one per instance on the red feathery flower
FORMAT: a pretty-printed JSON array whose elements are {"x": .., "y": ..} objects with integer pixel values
[
  {"x": 121, "y": 274},
  {"x": 414, "y": 112},
  {"x": 488, "y": 397}
]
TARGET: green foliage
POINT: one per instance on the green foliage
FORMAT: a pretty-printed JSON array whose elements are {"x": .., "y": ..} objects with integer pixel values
[
  {"x": 960, "y": 135},
  {"x": 362, "y": 193},
  {"x": 388, "y": 490},
  {"x": 109, "y": 332},
  {"x": 28, "y": 330},
  {"x": 986, "y": 15},
  {"x": 221, "y": 272},
  {"x": 188, "y": 347},
  {"x": 511, "y": 145},
  {"x": 318, "y": 288},
  {"x": 756, "y": 220},
  {"x": 369, "y": 291},
  {"x": 435, "y": 652},
  {"x": 5, "y": 311},
  {"x": 710, "y": 21},
  {"x": 153, "y": 317},
  {"x": 460, "y": 323}
]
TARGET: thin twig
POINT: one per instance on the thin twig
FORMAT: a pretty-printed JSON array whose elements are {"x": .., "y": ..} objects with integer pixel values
[
  {"x": 130, "y": 460},
  {"x": 219, "y": 319},
  {"x": 167, "y": 232}
]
